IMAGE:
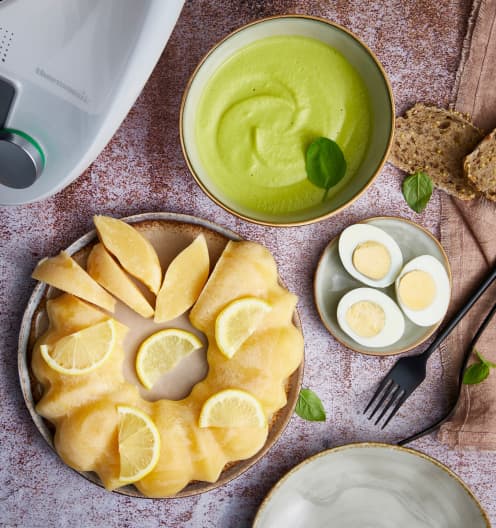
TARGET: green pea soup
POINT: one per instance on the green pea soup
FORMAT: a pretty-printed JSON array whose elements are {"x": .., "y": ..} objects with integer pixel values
[{"x": 261, "y": 109}]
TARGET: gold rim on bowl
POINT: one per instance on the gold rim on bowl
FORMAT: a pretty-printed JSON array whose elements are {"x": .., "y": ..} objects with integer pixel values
[
  {"x": 370, "y": 181},
  {"x": 382, "y": 445},
  {"x": 418, "y": 341}
]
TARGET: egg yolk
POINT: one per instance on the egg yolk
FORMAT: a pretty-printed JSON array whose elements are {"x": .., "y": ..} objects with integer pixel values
[
  {"x": 417, "y": 290},
  {"x": 372, "y": 259},
  {"x": 366, "y": 318}
]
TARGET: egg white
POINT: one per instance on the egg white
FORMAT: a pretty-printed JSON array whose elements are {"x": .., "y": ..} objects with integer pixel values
[
  {"x": 394, "y": 325},
  {"x": 357, "y": 234},
  {"x": 439, "y": 306}
]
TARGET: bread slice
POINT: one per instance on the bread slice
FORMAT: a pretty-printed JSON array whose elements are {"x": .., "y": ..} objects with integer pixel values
[
  {"x": 435, "y": 141},
  {"x": 480, "y": 166}
]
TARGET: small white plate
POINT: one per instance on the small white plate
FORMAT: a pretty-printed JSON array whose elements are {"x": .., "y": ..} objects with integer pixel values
[
  {"x": 332, "y": 281},
  {"x": 371, "y": 484}
]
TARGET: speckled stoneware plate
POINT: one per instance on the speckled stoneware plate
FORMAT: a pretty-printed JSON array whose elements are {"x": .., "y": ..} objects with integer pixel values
[
  {"x": 169, "y": 233},
  {"x": 332, "y": 281},
  {"x": 370, "y": 484}
]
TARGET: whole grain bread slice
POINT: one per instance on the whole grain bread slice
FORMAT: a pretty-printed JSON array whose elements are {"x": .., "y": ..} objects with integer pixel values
[
  {"x": 480, "y": 166},
  {"x": 435, "y": 140}
]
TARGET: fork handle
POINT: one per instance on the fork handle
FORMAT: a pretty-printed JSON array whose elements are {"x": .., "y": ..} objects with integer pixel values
[
  {"x": 468, "y": 354},
  {"x": 447, "y": 329}
]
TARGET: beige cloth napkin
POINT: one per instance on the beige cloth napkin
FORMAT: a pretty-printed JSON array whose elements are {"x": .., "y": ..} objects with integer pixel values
[{"x": 468, "y": 233}]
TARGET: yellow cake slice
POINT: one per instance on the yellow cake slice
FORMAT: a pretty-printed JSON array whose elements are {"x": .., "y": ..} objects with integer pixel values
[
  {"x": 183, "y": 281},
  {"x": 134, "y": 252},
  {"x": 64, "y": 273},
  {"x": 105, "y": 270}
]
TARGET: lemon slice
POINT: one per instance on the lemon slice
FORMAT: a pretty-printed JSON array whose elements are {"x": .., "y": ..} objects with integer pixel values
[
  {"x": 81, "y": 352},
  {"x": 160, "y": 352},
  {"x": 139, "y": 444},
  {"x": 237, "y": 322},
  {"x": 232, "y": 408}
]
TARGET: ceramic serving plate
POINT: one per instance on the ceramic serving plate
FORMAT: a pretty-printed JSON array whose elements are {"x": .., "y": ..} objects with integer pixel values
[
  {"x": 370, "y": 484},
  {"x": 169, "y": 233},
  {"x": 332, "y": 281},
  {"x": 355, "y": 52}
]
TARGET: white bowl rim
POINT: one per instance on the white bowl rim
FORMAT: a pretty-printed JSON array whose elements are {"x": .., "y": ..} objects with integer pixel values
[{"x": 361, "y": 445}]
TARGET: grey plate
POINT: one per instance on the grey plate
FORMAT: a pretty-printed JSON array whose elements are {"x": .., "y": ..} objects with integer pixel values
[
  {"x": 332, "y": 281},
  {"x": 371, "y": 484}
]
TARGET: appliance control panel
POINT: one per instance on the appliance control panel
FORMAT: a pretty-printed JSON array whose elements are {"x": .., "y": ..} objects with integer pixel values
[
  {"x": 75, "y": 68},
  {"x": 21, "y": 159}
]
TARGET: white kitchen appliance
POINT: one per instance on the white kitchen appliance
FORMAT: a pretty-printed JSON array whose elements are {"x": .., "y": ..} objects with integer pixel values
[{"x": 70, "y": 70}]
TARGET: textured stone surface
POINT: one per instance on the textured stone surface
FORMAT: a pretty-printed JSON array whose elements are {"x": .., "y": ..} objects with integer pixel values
[{"x": 142, "y": 169}]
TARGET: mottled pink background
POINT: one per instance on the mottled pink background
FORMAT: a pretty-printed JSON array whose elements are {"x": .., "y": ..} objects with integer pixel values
[{"x": 142, "y": 169}]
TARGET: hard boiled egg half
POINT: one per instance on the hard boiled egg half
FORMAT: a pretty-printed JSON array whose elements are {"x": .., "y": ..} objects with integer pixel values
[
  {"x": 423, "y": 290},
  {"x": 370, "y": 317},
  {"x": 370, "y": 255}
]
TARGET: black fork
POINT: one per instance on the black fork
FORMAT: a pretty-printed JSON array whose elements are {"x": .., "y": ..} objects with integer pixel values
[{"x": 409, "y": 372}]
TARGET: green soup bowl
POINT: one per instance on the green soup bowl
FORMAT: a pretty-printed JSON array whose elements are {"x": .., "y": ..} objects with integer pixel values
[{"x": 379, "y": 107}]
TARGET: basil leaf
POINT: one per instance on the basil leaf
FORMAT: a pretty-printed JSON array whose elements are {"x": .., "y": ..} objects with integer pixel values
[
  {"x": 490, "y": 364},
  {"x": 309, "y": 406},
  {"x": 417, "y": 190},
  {"x": 325, "y": 163},
  {"x": 476, "y": 373}
]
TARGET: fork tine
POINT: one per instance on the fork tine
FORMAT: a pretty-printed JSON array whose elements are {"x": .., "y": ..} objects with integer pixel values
[
  {"x": 394, "y": 394},
  {"x": 390, "y": 387},
  {"x": 400, "y": 402},
  {"x": 382, "y": 385}
]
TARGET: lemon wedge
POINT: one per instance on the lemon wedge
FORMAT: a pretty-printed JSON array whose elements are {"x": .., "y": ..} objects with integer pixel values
[
  {"x": 139, "y": 444},
  {"x": 81, "y": 352},
  {"x": 160, "y": 352},
  {"x": 237, "y": 322},
  {"x": 232, "y": 408}
]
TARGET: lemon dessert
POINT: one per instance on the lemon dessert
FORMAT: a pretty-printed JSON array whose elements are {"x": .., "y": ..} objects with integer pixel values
[{"x": 102, "y": 422}]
